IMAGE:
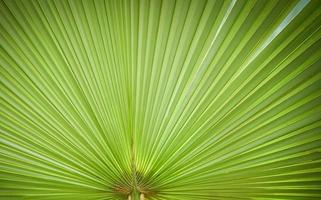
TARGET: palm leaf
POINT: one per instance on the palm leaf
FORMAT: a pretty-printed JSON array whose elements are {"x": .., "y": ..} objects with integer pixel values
[{"x": 160, "y": 99}]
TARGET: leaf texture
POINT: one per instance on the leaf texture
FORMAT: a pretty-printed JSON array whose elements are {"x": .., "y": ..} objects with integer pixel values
[{"x": 175, "y": 100}]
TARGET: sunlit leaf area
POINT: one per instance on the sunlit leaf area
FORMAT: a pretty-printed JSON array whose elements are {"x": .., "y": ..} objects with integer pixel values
[{"x": 160, "y": 99}]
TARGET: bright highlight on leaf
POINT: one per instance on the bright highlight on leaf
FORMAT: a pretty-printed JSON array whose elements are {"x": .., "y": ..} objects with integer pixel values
[{"x": 160, "y": 99}]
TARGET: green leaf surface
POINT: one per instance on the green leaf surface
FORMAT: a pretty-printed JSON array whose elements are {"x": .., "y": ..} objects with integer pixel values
[{"x": 160, "y": 99}]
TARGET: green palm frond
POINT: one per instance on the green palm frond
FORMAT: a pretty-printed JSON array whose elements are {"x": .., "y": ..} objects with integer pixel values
[{"x": 160, "y": 99}]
